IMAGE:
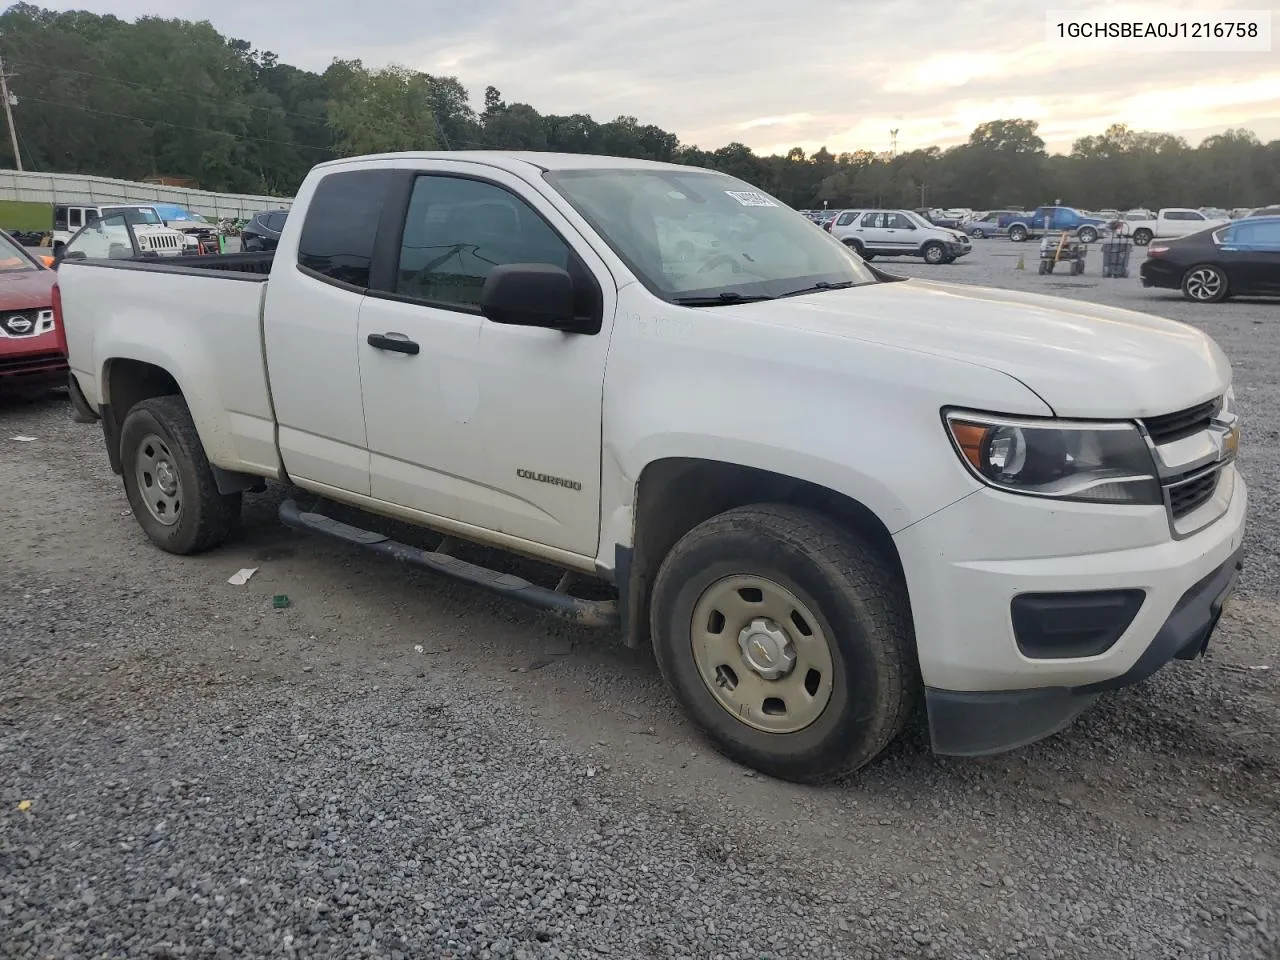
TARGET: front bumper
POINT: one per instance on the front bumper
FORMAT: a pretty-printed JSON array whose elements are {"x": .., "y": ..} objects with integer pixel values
[
  {"x": 958, "y": 248},
  {"x": 967, "y": 563}
]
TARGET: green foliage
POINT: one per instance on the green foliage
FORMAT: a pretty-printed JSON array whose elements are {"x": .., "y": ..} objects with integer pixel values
[{"x": 100, "y": 95}]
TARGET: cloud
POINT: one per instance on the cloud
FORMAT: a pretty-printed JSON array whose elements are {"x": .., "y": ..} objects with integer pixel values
[{"x": 808, "y": 73}]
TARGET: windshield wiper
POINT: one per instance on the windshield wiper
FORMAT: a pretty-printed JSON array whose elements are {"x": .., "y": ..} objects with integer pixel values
[
  {"x": 821, "y": 285},
  {"x": 719, "y": 299}
]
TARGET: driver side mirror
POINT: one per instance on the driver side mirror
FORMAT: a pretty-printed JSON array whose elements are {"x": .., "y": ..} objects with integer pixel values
[{"x": 530, "y": 295}]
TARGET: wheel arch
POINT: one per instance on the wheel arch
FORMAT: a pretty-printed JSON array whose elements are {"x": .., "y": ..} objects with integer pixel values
[
  {"x": 126, "y": 382},
  {"x": 675, "y": 494}
]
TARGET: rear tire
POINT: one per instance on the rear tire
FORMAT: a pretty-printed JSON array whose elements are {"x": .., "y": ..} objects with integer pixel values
[
  {"x": 832, "y": 600},
  {"x": 1205, "y": 283},
  {"x": 1018, "y": 233},
  {"x": 1142, "y": 237},
  {"x": 168, "y": 479},
  {"x": 1088, "y": 235}
]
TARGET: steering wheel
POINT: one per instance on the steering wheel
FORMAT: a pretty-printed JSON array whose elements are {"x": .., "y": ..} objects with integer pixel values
[{"x": 719, "y": 261}]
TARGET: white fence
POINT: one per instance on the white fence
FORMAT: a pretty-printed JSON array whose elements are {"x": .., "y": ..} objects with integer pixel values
[{"x": 77, "y": 189}]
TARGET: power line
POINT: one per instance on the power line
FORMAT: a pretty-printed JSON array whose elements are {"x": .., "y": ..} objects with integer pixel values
[{"x": 178, "y": 126}]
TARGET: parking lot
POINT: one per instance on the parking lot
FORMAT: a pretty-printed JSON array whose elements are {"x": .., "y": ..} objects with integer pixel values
[{"x": 397, "y": 766}]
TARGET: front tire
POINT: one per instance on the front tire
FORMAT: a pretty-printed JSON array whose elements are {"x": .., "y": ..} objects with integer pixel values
[
  {"x": 934, "y": 253},
  {"x": 978, "y": 234},
  {"x": 787, "y": 640},
  {"x": 168, "y": 479},
  {"x": 1205, "y": 283}
]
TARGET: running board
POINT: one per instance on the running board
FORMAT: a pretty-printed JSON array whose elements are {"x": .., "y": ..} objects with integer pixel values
[{"x": 587, "y": 613}]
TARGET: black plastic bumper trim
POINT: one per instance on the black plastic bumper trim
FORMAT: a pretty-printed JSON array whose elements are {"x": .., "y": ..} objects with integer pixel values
[{"x": 1054, "y": 626}]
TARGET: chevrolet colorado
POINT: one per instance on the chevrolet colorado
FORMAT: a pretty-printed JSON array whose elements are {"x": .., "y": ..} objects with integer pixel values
[{"x": 819, "y": 491}]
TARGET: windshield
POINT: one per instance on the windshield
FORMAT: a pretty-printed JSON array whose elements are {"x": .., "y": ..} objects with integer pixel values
[
  {"x": 134, "y": 216},
  {"x": 12, "y": 257},
  {"x": 690, "y": 235}
]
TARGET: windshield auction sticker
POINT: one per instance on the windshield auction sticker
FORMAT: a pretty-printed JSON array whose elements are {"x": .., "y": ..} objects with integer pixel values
[{"x": 750, "y": 198}]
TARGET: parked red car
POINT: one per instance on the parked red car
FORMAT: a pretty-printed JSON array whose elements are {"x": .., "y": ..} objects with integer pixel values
[{"x": 32, "y": 351}]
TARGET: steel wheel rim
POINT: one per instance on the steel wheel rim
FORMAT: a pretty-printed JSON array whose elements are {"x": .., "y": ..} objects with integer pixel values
[
  {"x": 746, "y": 628},
  {"x": 1204, "y": 284},
  {"x": 159, "y": 486},
  {"x": 933, "y": 255}
]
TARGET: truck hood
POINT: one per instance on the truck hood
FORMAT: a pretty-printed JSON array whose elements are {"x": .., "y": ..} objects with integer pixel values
[
  {"x": 1082, "y": 359},
  {"x": 26, "y": 290}
]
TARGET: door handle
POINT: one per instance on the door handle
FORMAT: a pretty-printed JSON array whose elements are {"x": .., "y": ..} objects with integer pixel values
[{"x": 395, "y": 342}]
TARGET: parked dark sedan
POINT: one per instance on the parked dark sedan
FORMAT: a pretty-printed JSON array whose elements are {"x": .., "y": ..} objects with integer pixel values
[
  {"x": 263, "y": 231},
  {"x": 1239, "y": 259}
]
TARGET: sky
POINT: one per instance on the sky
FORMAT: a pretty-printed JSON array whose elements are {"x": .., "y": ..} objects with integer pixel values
[{"x": 776, "y": 74}]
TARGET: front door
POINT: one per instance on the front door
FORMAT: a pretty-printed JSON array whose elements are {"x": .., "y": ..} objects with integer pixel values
[{"x": 494, "y": 426}]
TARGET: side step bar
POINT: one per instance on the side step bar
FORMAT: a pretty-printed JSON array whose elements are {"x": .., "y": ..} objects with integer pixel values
[{"x": 587, "y": 613}]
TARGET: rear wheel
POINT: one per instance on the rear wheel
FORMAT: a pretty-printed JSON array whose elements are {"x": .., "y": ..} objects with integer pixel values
[
  {"x": 168, "y": 479},
  {"x": 978, "y": 233},
  {"x": 1204, "y": 283},
  {"x": 1088, "y": 235},
  {"x": 1142, "y": 237},
  {"x": 787, "y": 640},
  {"x": 1018, "y": 233}
]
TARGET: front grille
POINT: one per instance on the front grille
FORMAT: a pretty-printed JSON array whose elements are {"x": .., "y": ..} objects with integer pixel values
[
  {"x": 25, "y": 323},
  {"x": 161, "y": 241},
  {"x": 1169, "y": 427},
  {"x": 1186, "y": 495}
]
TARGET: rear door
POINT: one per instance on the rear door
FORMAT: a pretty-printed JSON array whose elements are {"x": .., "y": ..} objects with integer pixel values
[
  {"x": 1251, "y": 255},
  {"x": 873, "y": 231},
  {"x": 312, "y": 321}
]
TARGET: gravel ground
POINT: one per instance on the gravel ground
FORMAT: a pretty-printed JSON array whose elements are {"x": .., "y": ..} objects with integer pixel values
[{"x": 397, "y": 766}]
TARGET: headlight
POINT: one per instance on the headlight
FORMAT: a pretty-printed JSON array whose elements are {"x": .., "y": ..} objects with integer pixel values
[{"x": 1061, "y": 459}]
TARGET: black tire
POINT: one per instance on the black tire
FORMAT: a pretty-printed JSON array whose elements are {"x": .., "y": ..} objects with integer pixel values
[
  {"x": 1142, "y": 237},
  {"x": 1088, "y": 235},
  {"x": 949, "y": 260},
  {"x": 934, "y": 253},
  {"x": 1018, "y": 233},
  {"x": 1205, "y": 283},
  {"x": 978, "y": 234},
  {"x": 857, "y": 247},
  {"x": 859, "y": 602},
  {"x": 205, "y": 517}
]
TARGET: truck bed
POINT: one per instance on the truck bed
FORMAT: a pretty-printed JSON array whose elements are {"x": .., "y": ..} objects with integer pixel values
[{"x": 200, "y": 319}]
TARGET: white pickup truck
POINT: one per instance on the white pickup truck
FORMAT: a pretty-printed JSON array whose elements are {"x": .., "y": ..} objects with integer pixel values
[
  {"x": 1169, "y": 224},
  {"x": 819, "y": 491}
]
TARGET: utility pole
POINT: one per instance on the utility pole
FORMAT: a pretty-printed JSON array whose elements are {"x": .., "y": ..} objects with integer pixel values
[{"x": 8, "y": 115}]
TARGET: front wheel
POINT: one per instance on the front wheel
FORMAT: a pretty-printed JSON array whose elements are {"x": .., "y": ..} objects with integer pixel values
[
  {"x": 787, "y": 640},
  {"x": 934, "y": 253},
  {"x": 1204, "y": 283},
  {"x": 168, "y": 479}
]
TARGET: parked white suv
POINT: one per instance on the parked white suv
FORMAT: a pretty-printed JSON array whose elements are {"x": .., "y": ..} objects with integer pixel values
[{"x": 898, "y": 233}]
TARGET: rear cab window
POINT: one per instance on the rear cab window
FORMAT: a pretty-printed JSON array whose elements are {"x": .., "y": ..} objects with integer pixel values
[{"x": 340, "y": 230}]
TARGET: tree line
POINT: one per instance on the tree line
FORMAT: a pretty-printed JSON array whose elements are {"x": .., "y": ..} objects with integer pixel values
[{"x": 100, "y": 95}]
